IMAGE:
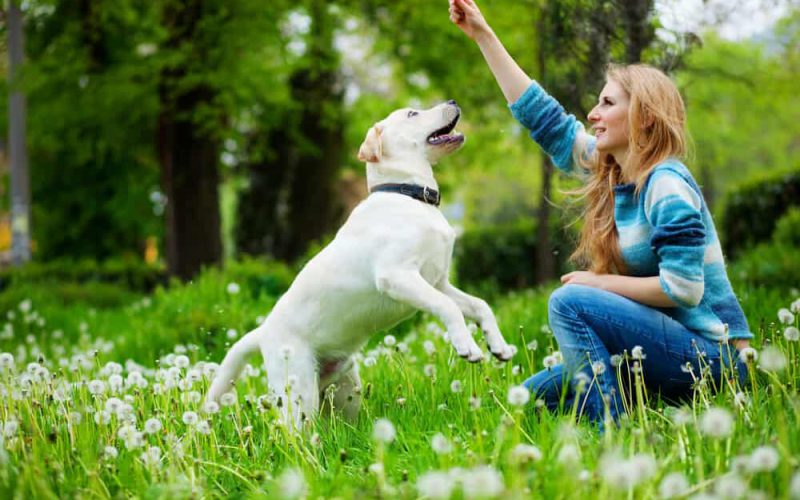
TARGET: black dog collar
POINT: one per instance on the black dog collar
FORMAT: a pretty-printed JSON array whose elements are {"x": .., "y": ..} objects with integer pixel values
[{"x": 421, "y": 193}]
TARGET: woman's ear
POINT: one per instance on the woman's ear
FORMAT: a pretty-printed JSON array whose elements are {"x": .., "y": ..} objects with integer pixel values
[{"x": 371, "y": 149}]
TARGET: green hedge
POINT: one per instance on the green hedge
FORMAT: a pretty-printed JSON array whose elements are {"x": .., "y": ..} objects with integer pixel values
[
  {"x": 787, "y": 229},
  {"x": 503, "y": 256},
  {"x": 768, "y": 264},
  {"x": 132, "y": 274},
  {"x": 751, "y": 211}
]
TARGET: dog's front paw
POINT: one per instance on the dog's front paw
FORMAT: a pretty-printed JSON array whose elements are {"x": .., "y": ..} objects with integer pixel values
[
  {"x": 469, "y": 351},
  {"x": 504, "y": 352}
]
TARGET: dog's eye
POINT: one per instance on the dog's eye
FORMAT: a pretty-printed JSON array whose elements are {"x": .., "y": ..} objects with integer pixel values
[{"x": 412, "y": 113}]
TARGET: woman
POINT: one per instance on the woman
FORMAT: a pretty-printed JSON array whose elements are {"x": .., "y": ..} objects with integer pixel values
[{"x": 656, "y": 284}]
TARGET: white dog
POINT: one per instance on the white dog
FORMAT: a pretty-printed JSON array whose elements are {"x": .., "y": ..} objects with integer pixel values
[{"x": 390, "y": 259}]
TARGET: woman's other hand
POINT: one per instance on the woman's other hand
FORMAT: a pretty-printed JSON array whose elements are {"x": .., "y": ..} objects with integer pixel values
[
  {"x": 466, "y": 15},
  {"x": 587, "y": 278}
]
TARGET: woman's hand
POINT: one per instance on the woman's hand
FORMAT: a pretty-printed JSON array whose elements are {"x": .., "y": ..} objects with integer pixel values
[
  {"x": 587, "y": 278},
  {"x": 466, "y": 15}
]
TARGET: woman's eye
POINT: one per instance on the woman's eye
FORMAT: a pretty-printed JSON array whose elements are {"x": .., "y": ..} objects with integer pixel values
[{"x": 412, "y": 113}]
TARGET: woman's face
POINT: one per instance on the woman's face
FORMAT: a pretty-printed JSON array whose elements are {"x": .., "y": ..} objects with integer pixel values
[{"x": 609, "y": 121}]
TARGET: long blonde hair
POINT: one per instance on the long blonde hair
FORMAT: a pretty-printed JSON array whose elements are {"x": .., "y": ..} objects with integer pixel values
[{"x": 656, "y": 121}]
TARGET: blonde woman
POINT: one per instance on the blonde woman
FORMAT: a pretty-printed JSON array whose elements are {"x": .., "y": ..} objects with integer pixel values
[{"x": 656, "y": 286}]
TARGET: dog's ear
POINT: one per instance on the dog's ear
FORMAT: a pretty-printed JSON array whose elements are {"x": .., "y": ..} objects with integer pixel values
[{"x": 371, "y": 149}]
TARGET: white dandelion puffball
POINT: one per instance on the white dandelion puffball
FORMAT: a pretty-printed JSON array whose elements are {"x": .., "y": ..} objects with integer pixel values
[
  {"x": 598, "y": 367},
  {"x": 181, "y": 361},
  {"x": 231, "y": 333},
  {"x": 383, "y": 431},
  {"x": 638, "y": 352},
  {"x": 525, "y": 453},
  {"x": 772, "y": 359},
  {"x": 435, "y": 485},
  {"x": 763, "y": 459},
  {"x": 233, "y": 288},
  {"x": 228, "y": 399},
  {"x": 518, "y": 395},
  {"x": 152, "y": 426},
  {"x": 390, "y": 340},
  {"x": 795, "y": 306},
  {"x": 785, "y": 316},
  {"x": 748, "y": 355},
  {"x": 440, "y": 444},
  {"x": 96, "y": 387},
  {"x": 428, "y": 346},
  {"x": 10, "y": 428},
  {"x": 110, "y": 452},
  {"x": 791, "y": 333},
  {"x": 292, "y": 484},
  {"x": 455, "y": 386},
  {"x": 190, "y": 418},
  {"x": 716, "y": 423},
  {"x": 549, "y": 361},
  {"x": 483, "y": 481},
  {"x": 211, "y": 407},
  {"x": 673, "y": 485}
]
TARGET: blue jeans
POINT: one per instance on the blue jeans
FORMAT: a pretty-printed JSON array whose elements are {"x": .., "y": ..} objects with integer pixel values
[{"x": 590, "y": 325}]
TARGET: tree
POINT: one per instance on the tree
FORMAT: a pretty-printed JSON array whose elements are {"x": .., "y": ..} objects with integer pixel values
[{"x": 18, "y": 149}]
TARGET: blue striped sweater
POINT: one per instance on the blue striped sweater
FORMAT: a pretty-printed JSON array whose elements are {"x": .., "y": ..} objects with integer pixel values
[{"x": 666, "y": 230}]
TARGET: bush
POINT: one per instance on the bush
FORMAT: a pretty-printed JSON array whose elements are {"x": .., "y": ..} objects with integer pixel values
[
  {"x": 787, "y": 229},
  {"x": 751, "y": 211},
  {"x": 132, "y": 274},
  {"x": 771, "y": 265},
  {"x": 503, "y": 256}
]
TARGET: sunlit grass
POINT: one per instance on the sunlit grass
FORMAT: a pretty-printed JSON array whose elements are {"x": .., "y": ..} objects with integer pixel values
[{"x": 92, "y": 409}]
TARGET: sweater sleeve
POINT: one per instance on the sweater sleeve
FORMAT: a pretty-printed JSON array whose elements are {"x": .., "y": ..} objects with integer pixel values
[
  {"x": 674, "y": 209},
  {"x": 561, "y": 136}
]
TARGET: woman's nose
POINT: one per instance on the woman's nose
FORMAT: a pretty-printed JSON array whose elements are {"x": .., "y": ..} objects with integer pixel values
[{"x": 593, "y": 115}]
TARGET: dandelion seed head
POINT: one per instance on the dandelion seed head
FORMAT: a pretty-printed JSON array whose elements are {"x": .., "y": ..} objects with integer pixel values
[
  {"x": 292, "y": 484},
  {"x": 435, "y": 485},
  {"x": 785, "y": 316},
  {"x": 598, "y": 367},
  {"x": 189, "y": 418},
  {"x": 772, "y": 359},
  {"x": 383, "y": 431},
  {"x": 763, "y": 459},
  {"x": 716, "y": 423},
  {"x": 110, "y": 452},
  {"x": 181, "y": 361},
  {"x": 748, "y": 355},
  {"x": 518, "y": 395},
  {"x": 791, "y": 333},
  {"x": 455, "y": 386},
  {"x": 483, "y": 481},
  {"x": 228, "y": 399},
  {"x": 730, "y": 486},
  {"x": 211, "y": 407},
  {"x": 390, "y": 341},
  {"x": 525, "y": 453},
  {"x": 152, "y": 425},
  {"x": 231, "y": 333},
  {"x": 638, "y": 352},
  {"x": 440, "y": 444},
  {"x": 673, "y": 485},
  {"x": 233, "y": 288}
]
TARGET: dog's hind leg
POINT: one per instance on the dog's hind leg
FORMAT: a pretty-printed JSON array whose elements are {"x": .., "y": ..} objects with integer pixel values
[
  {"x": 341, "y": 389},
  {"x": 293, "y": 379},
  {"x": 232, "y": 365}
]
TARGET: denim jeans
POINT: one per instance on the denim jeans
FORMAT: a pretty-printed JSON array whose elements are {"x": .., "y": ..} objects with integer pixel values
[{"x": 590, "y": 325}]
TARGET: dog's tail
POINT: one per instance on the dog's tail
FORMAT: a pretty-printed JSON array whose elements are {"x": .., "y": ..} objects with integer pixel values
[{"x": 232, "y": 366}]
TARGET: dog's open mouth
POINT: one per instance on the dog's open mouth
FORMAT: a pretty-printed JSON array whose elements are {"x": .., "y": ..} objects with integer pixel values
[{"x": 446, "y": 134}]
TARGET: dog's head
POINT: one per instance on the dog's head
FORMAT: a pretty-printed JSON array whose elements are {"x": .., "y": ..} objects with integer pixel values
[{"x": 410, "y": 134}]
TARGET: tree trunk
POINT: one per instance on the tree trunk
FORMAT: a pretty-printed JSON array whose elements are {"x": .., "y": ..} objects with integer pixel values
[
  {"x": 17, "y": 141},
  {"x": 188, "y": 157},
  {"x": 638, "y": 30}
]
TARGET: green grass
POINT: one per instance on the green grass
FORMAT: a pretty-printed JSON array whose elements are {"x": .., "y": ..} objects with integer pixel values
[{"x": 75, "y": 334}]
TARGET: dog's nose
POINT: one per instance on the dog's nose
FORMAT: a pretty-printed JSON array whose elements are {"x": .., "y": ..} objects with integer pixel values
[{"x": 452, "y": 102}]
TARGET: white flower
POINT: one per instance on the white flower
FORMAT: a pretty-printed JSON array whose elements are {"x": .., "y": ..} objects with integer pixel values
[
  {"x": 152, "y": 425},
  {"x": 440, "y": 444},
  {"x": 429, "y": 347},
  {"x": 10, "y": 428},
  {"x": 716, "y": 423},
  {"x": 624, "y": 473},
  {"x": 785, "y": 316},
  {"x": 102, "y": 417},
  {"x": 190, "y": 418},
  {"x": 791, "y": 333},
  {"x": 6, "y": 360},
  {"x": 429, "y": 371},
  {"x": 673, "y": 485},
  {"x": 383, "y": 431},
  {"x": 211, "y": 407},
  {"x": 181, "y": 361},
  {"x": 616, "y": 360},
  {"x": 482, "y": 481},
  {"x": 598, "y": 367},
  {"x": 748, "y": 355},
  {"x": 549, "y": 361},
  {"x": 228, "y": 399},
  {"x": 559, "y": 358},
  {"x": 25, "y": 305},
  {"x": 524, "y": 453},
  {"x": 435, "y": 485},
  {"x": 114, "y": 405},
  {"x": 203, "y": 427},
  {"x": 233, "y": 288},
  {"x": 795, "y": 306},
  {"x": 763, "y": 459},
  {"x": 146, "y": 49},
  {"x": 794, "y": 485},
  {"x": 390, "y": 341},
  {"x": 231, "y": 333},
  {"x": 455, "y": 386},
  {"x": 730, "y": 486},
  {"x": 569, "y": 455},
  {"x": 110, "y": 452},
  {"x": 518, "y": 395},
  {"x": 369, "y": 361},
  {"x": 152, "y": 456},
  {"x": 96, "y": 387},
  {"x": 638, "y": 352},
  {"x": 292, "y": 483},
  {"x": 772, "y": 359}
]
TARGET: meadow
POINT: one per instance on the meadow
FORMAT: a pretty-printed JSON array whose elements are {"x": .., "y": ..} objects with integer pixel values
[{"x": 102, "y": 396}]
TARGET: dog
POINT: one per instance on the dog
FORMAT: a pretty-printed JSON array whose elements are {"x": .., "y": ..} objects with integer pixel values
[{"x": 390, "y": 259}]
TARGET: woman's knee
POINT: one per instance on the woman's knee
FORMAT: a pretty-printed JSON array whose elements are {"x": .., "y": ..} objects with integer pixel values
[{"x": 570, "y": 299}]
